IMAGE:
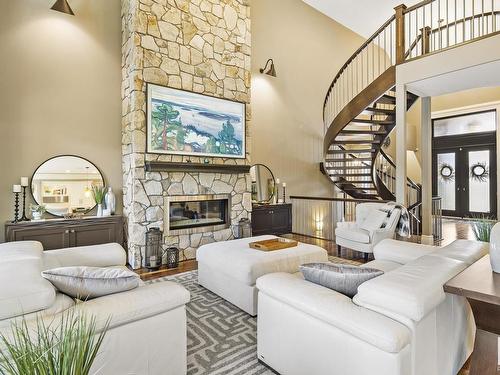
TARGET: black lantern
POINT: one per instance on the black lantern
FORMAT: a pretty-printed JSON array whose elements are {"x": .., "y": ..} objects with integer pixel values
[
  {"x": 243, "y": 229},
  {"x": 172, "y": 257},
  {"x": 154, "y": 251}
]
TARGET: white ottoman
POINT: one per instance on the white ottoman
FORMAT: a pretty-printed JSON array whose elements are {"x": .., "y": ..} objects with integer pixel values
[{"x": 230, "y": 268}]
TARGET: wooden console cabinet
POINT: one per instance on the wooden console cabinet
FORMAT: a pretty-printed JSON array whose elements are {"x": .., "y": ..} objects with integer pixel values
[
  {"x": 61, "y": 233},
  {"x": 271, "y": 219}
]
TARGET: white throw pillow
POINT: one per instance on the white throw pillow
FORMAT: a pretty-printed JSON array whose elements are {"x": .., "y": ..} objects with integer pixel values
[
  {"x": 92, "y": 282},
  {"x": 374, "y": 220}
]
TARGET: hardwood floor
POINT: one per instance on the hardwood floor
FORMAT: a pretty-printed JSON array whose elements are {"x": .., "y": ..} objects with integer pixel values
[{"x": 452, "y": 230}]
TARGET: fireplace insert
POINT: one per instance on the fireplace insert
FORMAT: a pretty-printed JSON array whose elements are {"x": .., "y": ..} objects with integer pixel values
[{"x": 192, "y": 214}]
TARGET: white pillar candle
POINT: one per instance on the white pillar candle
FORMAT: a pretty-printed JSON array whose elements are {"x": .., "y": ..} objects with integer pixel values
[
  {"x": 24, "y": 181},
  {"x": 284, "y": 184},
  {"x": 16, "y": 188},
  {"x": 277, "y": 181}
]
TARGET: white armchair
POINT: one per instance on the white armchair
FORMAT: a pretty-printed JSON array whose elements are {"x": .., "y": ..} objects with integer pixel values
[{"x": 349, "y": 234}]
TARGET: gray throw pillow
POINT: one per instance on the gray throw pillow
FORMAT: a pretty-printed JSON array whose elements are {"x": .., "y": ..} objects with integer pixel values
[
  {"x": 342, "y": 278},
  {"x": 92, "y": 282}
]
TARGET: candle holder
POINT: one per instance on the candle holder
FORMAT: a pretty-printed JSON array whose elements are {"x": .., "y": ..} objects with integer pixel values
[
  {"x": 16, "y": 208},
  {"x": 24, "y": 217},
  {"x": 284, "y": 194}
]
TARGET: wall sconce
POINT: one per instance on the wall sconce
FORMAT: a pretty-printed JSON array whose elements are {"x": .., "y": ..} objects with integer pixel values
[
  {"x": 63, "y": 7},
  {"x": 271, "y": 71}
]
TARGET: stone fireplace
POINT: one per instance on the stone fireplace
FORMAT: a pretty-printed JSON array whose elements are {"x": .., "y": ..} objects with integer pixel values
[{"x": 201, "y": 46}]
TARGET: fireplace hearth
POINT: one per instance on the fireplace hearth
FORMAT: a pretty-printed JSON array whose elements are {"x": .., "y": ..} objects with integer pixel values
[{"x": 186, "y": 214}]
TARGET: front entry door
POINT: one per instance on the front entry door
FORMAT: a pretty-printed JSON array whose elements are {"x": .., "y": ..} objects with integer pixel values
[{"x": 465, "y": 179}]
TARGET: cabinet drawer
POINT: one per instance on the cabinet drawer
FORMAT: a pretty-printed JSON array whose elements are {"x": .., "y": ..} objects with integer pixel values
[
  {"x": 262, "y": 221},
  {"x": 87, "y": 235},
  {"x": 276, "y": 219},
  {"x": 51, "y": 238}
]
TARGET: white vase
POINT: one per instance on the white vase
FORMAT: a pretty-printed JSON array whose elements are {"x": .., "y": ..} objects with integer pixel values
[
  {"x": 110, "y": 201},
  {"x": 495, "y": 248},
  {"x": 99, "y": 209}
]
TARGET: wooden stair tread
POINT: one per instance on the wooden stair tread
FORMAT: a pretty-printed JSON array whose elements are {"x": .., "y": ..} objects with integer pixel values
[
  {"x": 358, "y": 188},
  {"x": 389, "y": 99},
  {"x": 374, "y": 122},
  {"x": 384, "y": 111},
  {"x": 352, "y": 151},
  {"x": 346, "y": 160},
  {"x": 362, "y": 132},
  {"x": 353, "y": 167},
  {"x": 356, "y": 142},
  {"x": 351, "y": 174}
]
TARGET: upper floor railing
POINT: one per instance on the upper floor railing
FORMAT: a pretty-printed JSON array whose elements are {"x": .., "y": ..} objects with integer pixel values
[
  {"x": 427, "y": 27},
  {"x": 435, "y": 25}
]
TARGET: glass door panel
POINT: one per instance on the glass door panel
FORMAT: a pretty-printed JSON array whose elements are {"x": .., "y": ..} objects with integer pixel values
[
  {"x": 446, "y": 180},
  {"x": 465, "y": 179},
  {"x": 479, "y": 181}
]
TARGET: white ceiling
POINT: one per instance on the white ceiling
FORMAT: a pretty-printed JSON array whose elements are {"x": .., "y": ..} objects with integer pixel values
[
  {"x": 362, "y": 16},
  {"x": 484, "y": 75}
]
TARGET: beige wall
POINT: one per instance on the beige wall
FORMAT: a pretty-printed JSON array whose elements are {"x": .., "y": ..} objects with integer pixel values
[
  {"x": 308, "y": 49},
  {"x": 60, "y": 83}
]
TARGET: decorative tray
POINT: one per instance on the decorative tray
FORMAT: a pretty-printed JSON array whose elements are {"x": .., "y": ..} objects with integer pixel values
[{"x": 274, "y": 244}]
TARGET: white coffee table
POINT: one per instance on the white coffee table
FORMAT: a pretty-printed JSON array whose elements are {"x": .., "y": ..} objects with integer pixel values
[{"x": 231, "y": 268}]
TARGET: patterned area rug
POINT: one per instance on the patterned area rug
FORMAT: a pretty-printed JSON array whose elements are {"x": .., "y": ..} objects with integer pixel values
[{"x": 222, "y": 339}]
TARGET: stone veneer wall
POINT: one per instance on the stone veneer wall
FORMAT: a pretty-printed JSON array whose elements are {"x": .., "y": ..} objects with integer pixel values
[{"x": 196, "y": 45}]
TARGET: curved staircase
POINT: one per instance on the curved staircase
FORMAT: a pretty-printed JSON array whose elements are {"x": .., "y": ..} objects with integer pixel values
[{"x": 360, "y": 106}]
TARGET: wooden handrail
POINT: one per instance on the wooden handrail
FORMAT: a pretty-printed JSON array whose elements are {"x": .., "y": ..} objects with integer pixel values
[
  {"x": 353, "y": 56},
  {"x": 461, "y": 20},
  {"x": 443, "y": 27},
  {"x": 328, "y": 199},
  {"x": 418, "y": 5},
  {"x": 391, "y": 162},
  {"x": 371, "y": 93}
]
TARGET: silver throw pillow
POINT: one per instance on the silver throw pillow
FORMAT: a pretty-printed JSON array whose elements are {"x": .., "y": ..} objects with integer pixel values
[
  {"x": 92, "y": 282},
  {"x": 342, "y": 278}
]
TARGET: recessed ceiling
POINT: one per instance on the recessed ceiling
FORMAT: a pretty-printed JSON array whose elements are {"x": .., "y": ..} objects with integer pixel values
[{"x": 362, "y": 16}]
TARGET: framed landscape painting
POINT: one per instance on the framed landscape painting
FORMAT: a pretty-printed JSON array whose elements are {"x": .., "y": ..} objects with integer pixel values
[{"x": 186, "y": 123}]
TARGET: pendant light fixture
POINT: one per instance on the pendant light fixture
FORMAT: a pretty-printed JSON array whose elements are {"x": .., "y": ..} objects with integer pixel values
[
  {"x": 62, "y": 6},
  {"x": 271, "y": 71},
  {"x": 87, "y": 191}
]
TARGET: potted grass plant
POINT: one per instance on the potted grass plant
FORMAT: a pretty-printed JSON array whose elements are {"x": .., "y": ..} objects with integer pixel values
[
  {"x": 481, "y": 227},
  {"x": 98, "y": 193},
  {"x": 68, "y": 346}
]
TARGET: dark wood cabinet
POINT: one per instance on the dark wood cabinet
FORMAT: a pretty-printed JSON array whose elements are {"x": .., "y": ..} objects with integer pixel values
[
  {"x": 61, "y": 233},
  {"x": 271, "y": 219}
]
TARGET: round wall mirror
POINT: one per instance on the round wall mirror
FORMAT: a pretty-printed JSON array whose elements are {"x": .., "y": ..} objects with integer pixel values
[
  {"x": 263, "y": 183},
  {"x": 63, "y": 184}
]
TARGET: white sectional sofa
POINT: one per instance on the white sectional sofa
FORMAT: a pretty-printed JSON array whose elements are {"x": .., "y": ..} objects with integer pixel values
[
  {"x": 147, "y": 333},
  {"x": 400, "y": 323}
]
